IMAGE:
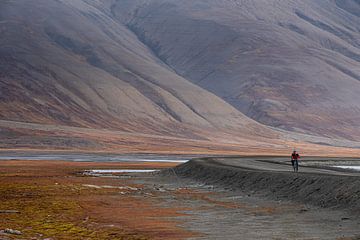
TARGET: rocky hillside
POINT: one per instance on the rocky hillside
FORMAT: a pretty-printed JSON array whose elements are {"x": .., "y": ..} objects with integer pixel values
[{"x": 183, "y": 68}]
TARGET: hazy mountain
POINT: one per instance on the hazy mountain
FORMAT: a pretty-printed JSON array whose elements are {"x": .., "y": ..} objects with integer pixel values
[
  {"x": 289, "y": 64},
  {"x": 71, "y": 63},
  {"x": 183, "y": 68}
]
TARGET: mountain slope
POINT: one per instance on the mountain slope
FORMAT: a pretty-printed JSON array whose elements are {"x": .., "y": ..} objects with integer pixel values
[
  {"x": 71, "y": 63},
  {"x": 216, "y": 72},
  {"x": 289, "y": 64}
]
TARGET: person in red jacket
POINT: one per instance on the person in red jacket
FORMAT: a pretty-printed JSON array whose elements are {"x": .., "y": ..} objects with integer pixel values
[{"x": 294, "y": 160}]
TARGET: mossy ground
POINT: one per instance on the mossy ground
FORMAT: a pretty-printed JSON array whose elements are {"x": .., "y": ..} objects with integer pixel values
[
  {"x": 51, "y": 211},
  {"x": 53, "y": 203}
]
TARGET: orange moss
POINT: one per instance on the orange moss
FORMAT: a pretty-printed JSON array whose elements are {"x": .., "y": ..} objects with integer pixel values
[{"x": 53, "y": 202}]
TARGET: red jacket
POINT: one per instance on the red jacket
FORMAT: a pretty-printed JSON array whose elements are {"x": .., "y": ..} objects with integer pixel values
[{"x": 295, "y": 156}]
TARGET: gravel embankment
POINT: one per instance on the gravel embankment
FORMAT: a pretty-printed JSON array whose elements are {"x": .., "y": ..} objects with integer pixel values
[{"x": 318, "y": 189}]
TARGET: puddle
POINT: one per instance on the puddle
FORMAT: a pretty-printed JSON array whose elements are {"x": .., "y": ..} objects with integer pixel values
[
  {"x": 111, "y": 187},
  {"x": 121, "y": 171},
  {"x": 357, "y": 168}
]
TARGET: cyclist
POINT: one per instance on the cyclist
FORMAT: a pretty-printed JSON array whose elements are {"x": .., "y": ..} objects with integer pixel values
[{"x": 294, "y": 160}]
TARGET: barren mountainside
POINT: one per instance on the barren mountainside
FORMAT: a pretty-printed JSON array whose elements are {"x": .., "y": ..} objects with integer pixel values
[
  {"x": 288, "y": 64},
  {"x": 183, "y": 68},
  {"x": 71, "y": 63}
]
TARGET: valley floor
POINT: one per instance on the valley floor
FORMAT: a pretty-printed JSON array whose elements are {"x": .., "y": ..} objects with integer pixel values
[{"x": 55, "y": 200}]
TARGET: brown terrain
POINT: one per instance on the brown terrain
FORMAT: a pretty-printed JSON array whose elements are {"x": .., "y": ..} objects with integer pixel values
[
  {"x": 222, "y": 198},
  {"x": 52, "y": 199},
  {"x": 166, "y": 75}
]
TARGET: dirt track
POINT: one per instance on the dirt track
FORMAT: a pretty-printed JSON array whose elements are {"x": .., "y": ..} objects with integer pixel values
[{"x": 281, "y": 164}]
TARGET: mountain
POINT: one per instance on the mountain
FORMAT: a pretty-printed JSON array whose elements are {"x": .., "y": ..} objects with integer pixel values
[
  {"x": 293, "y": 65},
  {"x": 219, "y": 71}
]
